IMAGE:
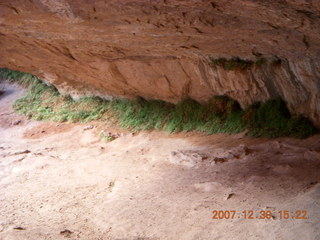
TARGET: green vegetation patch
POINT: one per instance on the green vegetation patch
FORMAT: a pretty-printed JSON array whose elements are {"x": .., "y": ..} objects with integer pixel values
[
  {"x": 220, "y": 115},
  {"x": 235, "y": 63}
]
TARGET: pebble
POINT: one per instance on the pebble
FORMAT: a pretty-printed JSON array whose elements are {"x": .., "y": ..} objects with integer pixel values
[
  {"x": 88, "y": 128},
  {"x": 16, "y": 122}
]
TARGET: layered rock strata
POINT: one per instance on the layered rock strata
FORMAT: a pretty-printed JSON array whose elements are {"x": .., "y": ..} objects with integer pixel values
[{"x": 162, "y": 49}]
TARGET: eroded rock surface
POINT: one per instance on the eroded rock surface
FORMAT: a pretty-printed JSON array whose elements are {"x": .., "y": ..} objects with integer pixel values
[{"x": 161, "y": 49}]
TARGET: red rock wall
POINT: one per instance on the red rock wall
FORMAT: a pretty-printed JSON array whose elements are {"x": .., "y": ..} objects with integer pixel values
[{"x": 160, "y": 49}]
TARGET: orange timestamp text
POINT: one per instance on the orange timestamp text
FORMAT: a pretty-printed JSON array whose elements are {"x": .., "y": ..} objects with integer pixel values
[{"x": 263, "y": 214}]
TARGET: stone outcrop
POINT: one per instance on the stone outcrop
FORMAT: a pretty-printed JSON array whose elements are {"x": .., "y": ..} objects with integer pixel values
[{"x": 161, "y": 49}]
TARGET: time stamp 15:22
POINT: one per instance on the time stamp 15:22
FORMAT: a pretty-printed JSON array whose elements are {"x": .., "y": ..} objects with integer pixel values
[{"x": 263, "y": 214}]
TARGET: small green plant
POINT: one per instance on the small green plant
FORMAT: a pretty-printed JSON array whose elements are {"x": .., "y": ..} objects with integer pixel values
[
  {"x": 220, "y": 115},
  {"x": 107, "y": 137}
]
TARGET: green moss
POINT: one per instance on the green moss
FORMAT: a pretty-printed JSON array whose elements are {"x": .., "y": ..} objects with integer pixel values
[
  {"x": 236, "y": 63},
  {"x": 220, "y": 115},
  {"x": 231, "y": 64},
  {"x": 260, "y": 61}
]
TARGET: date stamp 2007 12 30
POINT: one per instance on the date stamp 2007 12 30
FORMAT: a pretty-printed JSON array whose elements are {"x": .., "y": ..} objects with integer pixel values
[{"x": 263, "y": 214}]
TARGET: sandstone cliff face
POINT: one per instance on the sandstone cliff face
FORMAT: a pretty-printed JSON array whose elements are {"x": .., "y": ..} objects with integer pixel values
[{"x": 161, "y": 49}]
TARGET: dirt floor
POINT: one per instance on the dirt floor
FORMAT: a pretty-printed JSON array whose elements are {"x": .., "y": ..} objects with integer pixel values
[{"x": 62, "y": 181}]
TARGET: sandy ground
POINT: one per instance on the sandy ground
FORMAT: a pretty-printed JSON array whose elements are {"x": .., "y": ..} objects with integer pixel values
[{"x": 62, "y": 181}]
